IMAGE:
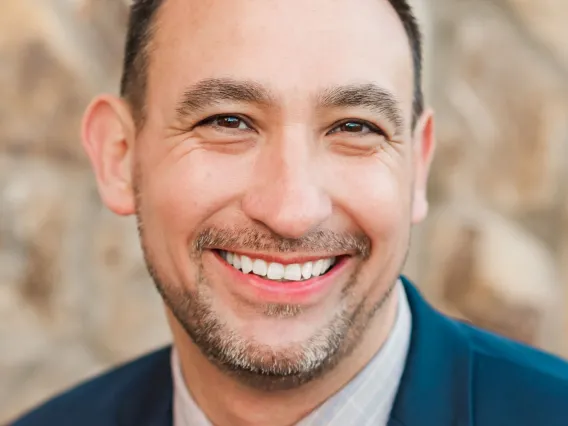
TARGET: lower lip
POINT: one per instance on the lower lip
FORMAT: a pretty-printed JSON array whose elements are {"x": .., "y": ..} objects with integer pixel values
[{"x": 288, "y": 291}]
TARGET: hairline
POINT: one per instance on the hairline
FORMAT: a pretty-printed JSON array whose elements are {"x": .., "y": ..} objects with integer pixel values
[{"x": 134, "y": 87}]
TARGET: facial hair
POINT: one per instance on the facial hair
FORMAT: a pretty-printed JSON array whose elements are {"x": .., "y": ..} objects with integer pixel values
[{"x": 253, "y": 363}]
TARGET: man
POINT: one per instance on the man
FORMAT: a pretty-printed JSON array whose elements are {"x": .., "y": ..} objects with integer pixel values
[{"x": 275, "y": 154}]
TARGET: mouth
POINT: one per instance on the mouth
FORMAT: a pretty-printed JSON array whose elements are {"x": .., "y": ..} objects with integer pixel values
[
  {"x": 300, "y": 280},
  {"x": 279, "y": 272}
]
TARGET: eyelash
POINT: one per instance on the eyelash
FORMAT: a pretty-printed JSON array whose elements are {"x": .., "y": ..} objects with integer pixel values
[
  {"x": 209, "y": 121},
  {"x": 372, "y": 128}
]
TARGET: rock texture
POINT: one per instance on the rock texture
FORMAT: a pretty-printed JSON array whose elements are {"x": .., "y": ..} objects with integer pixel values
[
  {"x": 497, "y": 80},
  {"x": 74, "y": 295}
]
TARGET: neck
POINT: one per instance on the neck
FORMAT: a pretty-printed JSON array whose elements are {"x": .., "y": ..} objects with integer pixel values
[{"x": 226, "y": 401}]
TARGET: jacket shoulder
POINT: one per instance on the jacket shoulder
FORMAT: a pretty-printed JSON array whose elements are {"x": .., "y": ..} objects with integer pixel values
[
  {"x": 516, "y": 384},
  {"x": 100, "y": 400}
]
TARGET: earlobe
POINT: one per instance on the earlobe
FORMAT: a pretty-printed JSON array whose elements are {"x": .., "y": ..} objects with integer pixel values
[
  {"x": 424, "y": 146},
  {"x": 108, "y": 135}
]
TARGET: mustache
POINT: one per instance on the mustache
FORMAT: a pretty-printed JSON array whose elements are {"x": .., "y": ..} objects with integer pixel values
[{"x": 253, "y": 239}]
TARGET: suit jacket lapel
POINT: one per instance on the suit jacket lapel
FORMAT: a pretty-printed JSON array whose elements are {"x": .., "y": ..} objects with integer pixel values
[
  {"x": 151, "y": 404},
  {"x": 436, "y": 384},
  {"x": 435, "y": 388}
]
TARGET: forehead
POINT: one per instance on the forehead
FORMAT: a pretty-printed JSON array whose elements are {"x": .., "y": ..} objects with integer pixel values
[{"x": 292, "y": 46}]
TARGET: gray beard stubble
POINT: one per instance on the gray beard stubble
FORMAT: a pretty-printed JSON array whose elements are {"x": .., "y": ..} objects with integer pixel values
[{"x": 253, "y": 363}]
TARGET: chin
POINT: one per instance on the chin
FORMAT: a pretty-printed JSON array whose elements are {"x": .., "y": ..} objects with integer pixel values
[
  {"x": 281, "y": 348},
  {"x": 284, "y": 326}
]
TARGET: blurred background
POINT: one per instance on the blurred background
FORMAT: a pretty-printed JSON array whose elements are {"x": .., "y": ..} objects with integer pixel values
[{"x": 74, "y": 294}]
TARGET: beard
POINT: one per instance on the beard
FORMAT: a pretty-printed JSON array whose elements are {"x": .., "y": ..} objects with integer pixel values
[{"x": 258, "y": 365}]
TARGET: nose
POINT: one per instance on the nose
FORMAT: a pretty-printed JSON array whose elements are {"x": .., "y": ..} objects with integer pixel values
[{"x": 286, "y": 194}]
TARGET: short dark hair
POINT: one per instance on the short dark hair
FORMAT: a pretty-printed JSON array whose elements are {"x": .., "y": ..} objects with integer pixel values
[{"x": 141, "y": 28}]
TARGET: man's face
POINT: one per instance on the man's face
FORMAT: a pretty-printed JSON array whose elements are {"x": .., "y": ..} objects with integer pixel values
[{"x": 278, "y": 139}]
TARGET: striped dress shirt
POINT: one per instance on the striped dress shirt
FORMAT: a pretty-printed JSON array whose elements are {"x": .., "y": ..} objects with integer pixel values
[{"x": 366, "y": 400}]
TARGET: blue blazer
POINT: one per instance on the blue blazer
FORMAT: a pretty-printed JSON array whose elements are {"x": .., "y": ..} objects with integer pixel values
[{"x": 456, "y": 375}]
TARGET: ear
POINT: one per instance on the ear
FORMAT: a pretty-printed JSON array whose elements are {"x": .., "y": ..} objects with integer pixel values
[
  {"x": 108, "y": 135},
  {"x": 423, "y": 146}
]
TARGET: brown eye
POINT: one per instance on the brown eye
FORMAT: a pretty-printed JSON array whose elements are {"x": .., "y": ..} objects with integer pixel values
[
  {"x": 225, "y": 122},
  {"x": 352, "y": 127},
  {"x": 230, "y": 122},
  {"x": 356, "y": 127}
]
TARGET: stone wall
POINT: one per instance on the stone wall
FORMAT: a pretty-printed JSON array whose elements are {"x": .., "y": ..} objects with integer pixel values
[
  {"x": 74, "y": 295},
  {"x": 492, "y": 249}
]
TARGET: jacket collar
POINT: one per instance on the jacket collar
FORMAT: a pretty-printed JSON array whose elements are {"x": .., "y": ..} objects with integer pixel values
[
  {"x": 435, "y": 388},
  {"x": 150, "y": 403}
]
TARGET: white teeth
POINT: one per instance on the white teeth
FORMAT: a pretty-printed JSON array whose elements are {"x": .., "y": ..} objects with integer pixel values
[
  {"x": 278, "y": 271},
  {"x": 326, "y": 265},
  {"x": 237, "y": 261},
  {"x": 259, "y": 267},
  {"x": 317, "y": 268},
  {"x": 323, "y": 266},
  {"x": 307, "y": 270},
  {"x": 246, "y": 264},
  {"x": 293, "y": 272},
  {"x": 275, "y": 271}
]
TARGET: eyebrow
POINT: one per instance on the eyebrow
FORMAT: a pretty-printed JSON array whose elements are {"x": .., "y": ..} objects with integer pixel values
[
  {"x": 212, "y": 91},
  {"x": 366, "y": 95}
]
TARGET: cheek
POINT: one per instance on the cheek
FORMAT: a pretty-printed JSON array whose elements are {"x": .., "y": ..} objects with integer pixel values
[
  {"x": 182, "y": 192},
  {"x": 376, "y": 196}
]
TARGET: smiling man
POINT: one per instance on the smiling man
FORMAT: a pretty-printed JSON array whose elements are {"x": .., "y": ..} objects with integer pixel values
[{"x": 275, "y": 154}]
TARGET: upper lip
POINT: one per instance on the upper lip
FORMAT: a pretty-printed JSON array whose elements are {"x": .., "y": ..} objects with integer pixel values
[{"x": 285, "y": 258}]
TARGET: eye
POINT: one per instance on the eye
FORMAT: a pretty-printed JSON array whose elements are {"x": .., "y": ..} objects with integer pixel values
[
  {"x": 356, "y": 127},
  {"x": 225, "y": 122}
]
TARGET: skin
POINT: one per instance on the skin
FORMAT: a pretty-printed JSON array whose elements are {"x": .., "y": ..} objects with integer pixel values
[{"x": 292, "y": 173}]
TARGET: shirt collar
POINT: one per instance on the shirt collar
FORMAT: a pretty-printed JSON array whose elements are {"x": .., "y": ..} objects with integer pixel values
[{"x": 367, "y": 399}]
